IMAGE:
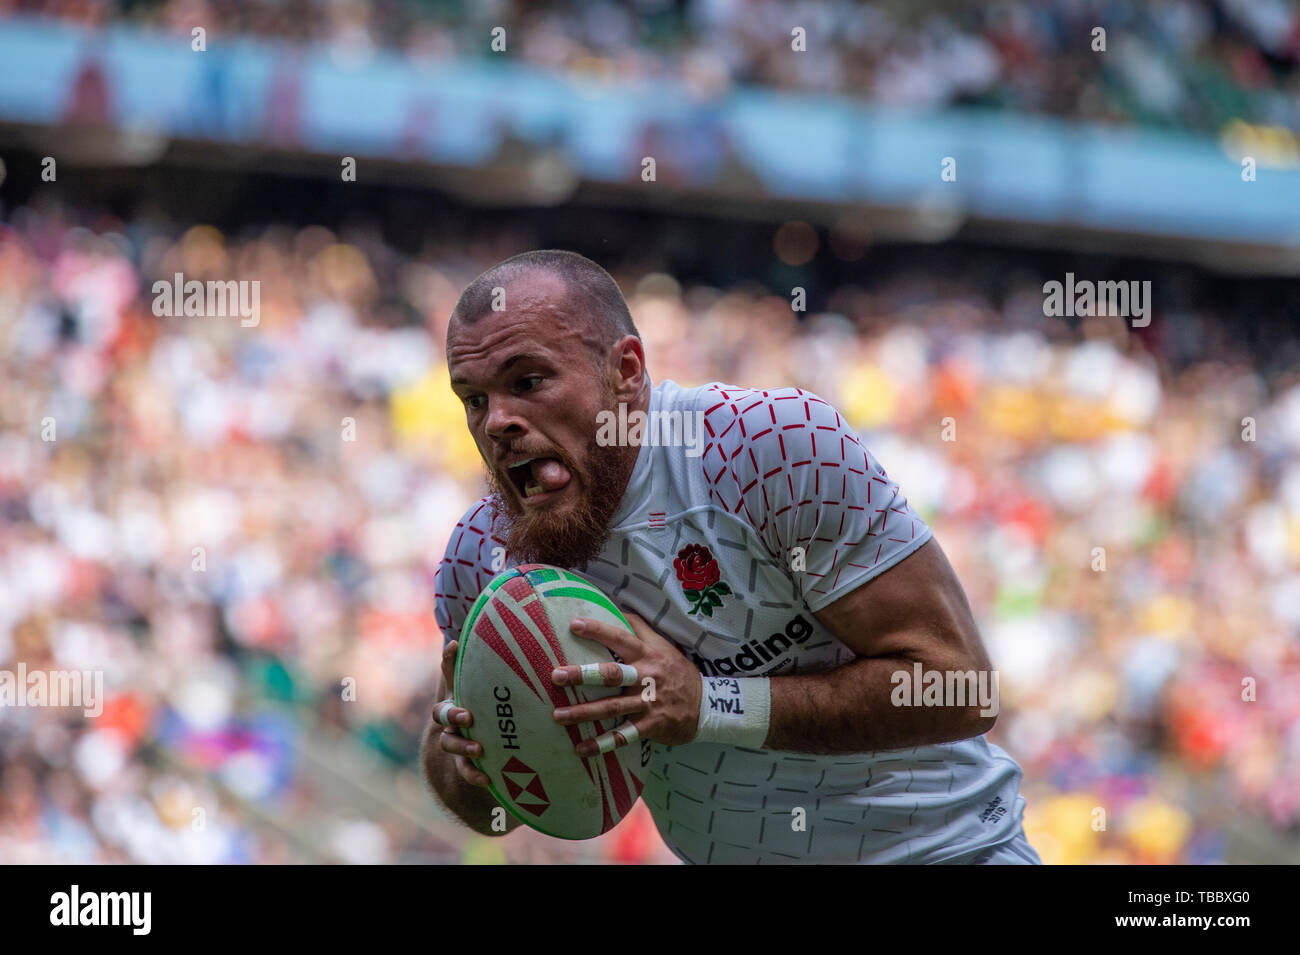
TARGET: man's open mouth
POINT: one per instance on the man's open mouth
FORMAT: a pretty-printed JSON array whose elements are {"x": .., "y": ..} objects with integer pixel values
[{"x": 537, "y": 476}]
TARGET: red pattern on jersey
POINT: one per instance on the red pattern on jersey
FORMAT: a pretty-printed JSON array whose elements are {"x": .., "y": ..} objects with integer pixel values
[{"x": 810, "y": 493}]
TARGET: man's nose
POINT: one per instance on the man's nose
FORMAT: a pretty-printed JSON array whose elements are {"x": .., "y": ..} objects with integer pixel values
[{"x": 502, "y": 421}]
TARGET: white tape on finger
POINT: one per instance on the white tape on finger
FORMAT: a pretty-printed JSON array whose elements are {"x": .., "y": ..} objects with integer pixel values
[
  {"x": 441, "y": 710},
  {"x": 591, "y": 675},
  {"x": 608, "y": 742}
]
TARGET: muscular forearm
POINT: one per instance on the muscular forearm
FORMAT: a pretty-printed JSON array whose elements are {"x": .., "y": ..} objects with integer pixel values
[
  {"x": 916, "y": 612},
  {"x": 851, "y": 710},
  {"x": 474, "y": 805}
]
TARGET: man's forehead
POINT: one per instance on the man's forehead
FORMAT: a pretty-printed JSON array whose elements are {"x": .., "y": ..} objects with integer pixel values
[{"x": 535, "y": 322}]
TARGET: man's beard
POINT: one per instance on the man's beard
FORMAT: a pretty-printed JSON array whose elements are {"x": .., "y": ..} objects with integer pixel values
[{"x": 569, "y": 536}]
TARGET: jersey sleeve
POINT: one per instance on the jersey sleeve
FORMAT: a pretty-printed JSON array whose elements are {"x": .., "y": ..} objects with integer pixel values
[
  {"x": 786, "y": 462},
  {"x": 466, "y": 567}
]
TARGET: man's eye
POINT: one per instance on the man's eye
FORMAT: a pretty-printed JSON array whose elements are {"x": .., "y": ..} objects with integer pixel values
[
  {"x": 523, "y": 382},
  {"x": 472, "y": 402}
]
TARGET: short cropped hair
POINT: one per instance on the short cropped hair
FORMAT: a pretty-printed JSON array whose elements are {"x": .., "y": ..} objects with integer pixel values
[{"x": 591, "y": 290}]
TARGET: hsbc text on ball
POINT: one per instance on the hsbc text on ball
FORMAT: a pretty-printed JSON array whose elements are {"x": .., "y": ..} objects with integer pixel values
[{"x": 505, "y": 720}]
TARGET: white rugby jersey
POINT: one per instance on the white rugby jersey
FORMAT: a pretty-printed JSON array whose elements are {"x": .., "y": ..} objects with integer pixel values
[{"x": 775, "y": 470}]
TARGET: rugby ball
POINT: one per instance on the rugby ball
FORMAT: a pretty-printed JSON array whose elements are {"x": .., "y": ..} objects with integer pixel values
[{"x": 515, "y": 634}]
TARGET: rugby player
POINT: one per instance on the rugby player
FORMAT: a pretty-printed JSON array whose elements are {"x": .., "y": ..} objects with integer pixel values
[{"x": 775, "y": 577}]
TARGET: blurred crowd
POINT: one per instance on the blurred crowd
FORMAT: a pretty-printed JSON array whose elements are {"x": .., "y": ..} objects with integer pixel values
[
  {"x": 1188, "y": 64},
  {"x": 240, "y": 526}
]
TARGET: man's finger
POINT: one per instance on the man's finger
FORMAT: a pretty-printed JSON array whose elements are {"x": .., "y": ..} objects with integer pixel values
[
  {"x": 625, "y": 734},
  {"x": 449, "y": 662},
  {"x": 644, "y": 632},
  {"x": 471, "y": 775},
  {"x": 611, "y": 707},
  {"x": 457, "y": 745},
  {"x": 596, "y": 674},
  {"x": 447, "y": 713},
  {"x": 625, "y": 644}
]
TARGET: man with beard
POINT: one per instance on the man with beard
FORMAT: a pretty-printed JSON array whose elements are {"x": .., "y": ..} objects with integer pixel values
[{"x": 777, "y": 566}]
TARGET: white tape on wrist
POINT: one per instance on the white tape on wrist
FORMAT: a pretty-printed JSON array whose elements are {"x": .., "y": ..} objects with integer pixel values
[{"x": 735, "y": 710}]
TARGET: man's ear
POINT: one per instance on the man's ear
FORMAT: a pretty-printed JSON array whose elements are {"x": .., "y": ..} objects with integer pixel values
[{"x": 627, "y": 365}]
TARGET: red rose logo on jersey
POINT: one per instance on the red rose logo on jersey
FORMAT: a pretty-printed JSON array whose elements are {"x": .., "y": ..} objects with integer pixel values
[{"x": 698, "y": 572}]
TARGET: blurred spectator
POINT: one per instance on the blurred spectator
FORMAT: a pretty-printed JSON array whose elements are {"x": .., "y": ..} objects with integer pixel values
[
  {"x": 1193, "y": 64},
  {"x": 240, "y": 527}
]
